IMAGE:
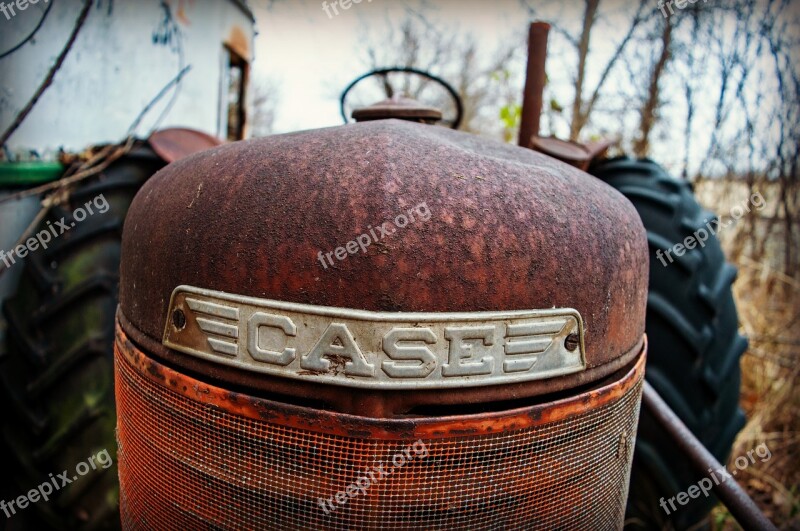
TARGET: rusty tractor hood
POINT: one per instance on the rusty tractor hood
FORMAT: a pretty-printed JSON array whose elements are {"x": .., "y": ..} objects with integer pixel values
[{"x": 508, "y": 229}]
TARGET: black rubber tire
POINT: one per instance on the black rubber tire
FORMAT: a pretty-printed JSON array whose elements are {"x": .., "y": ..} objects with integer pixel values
[
  {"x": 694, "y": 344},
  {"x": 57, "y": 364}
]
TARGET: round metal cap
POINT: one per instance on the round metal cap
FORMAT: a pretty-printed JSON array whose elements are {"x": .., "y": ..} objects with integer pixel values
[{"x": 398, "y": 107}]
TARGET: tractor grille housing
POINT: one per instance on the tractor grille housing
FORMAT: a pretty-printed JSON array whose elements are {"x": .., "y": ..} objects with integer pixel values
[
  {"x": 477, "y": 368},
  {"x": 196, "y": 456}
]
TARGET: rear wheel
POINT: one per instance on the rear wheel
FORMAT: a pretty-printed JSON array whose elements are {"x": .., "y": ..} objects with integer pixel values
[
  {"x": 57, "y": 365},
  {"x": 694, "y": 344}
]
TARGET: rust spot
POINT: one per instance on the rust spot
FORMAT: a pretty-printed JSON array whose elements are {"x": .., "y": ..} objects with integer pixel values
[
  {"x": 364, "y": 427},
  {"x": 153, "y": 369},
  {"x": 238, "y": 42},
  {"x": 571, "y": 342},
  {"x": 377, "y": 403}
]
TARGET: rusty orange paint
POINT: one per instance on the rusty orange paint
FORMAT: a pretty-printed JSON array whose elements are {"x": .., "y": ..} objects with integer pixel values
[
  {"x": 200, "y": 456},
  {"x": 238, "y": 42},
  {"x": 334, "y": 423}
]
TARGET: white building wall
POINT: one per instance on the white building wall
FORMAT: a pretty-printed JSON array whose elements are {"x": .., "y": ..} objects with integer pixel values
[{"x": 117, "y": 65}]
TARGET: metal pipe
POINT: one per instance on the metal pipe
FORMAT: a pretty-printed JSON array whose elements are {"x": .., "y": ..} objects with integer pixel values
[
  {"x": 741, "y": 506},
  {"x": 534, "y": 82}
]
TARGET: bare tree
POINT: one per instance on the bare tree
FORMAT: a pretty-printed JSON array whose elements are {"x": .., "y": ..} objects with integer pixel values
[
  {"x": 264, "y": 107},
  {"x": 481, "y": 80},
  {"x": 717, "y": 83},
  {"x": 647, "y": 116},
  {"x": 755, "y": 134},
  {"x": 734, "y": 62},
  {"x": 579, "y": 114},
  {"x": 585, "y": 100}
]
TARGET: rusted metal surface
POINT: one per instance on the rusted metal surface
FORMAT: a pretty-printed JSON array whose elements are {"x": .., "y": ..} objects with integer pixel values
[
  {"x": 535, "y": 80},
  {"x": 509, "y": 229},
  {"x": 379, "y": 404},
  {"x": 197, "y": 455},
  {"x": 239, "y": 42},
  {"x": 334, "y": 423},
  {"x": 177, "y": 143},
  {"x": 569, "y": 152},
  {"x": 573, "y": 153},
  {"x": 740, "y": 505},
  {"x": 398, "y": 107}
]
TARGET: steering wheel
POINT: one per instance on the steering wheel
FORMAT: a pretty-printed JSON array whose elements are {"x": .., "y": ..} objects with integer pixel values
[{"x": 406, "y": 70}]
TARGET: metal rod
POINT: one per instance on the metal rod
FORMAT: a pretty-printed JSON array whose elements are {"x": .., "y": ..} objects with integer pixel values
[
  {"x": 534, "y": 82},
  {"x": 741, "y": 506}
]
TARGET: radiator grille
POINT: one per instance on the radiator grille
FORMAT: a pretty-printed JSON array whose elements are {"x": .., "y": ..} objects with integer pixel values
[{"x": 186, "y": 463}]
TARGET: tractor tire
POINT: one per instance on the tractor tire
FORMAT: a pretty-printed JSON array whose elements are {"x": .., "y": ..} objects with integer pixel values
[
  {"x": 694, "y": 344},
  {"x": 56, "y": 368}
]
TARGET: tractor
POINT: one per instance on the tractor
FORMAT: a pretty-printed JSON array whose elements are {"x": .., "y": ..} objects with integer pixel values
[{"x": 482, "y": 368}]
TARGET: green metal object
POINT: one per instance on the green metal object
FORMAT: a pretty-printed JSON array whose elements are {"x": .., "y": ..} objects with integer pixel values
[{"x": 29, "y": 173}]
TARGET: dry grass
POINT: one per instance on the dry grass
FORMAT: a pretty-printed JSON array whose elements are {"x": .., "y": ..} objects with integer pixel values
[{"x": 768, "y": 300}]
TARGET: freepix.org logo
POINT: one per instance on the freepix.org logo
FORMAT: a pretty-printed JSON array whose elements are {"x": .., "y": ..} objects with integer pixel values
[
  {"x": 374, "y": 476},
  {"x": 11, "y": 9},
  {"x": 43, "y": 237},
  {"x": 344, "y": 4},
  {"x": 385, "y": 229},
  {"x": 54, "y": 483}
]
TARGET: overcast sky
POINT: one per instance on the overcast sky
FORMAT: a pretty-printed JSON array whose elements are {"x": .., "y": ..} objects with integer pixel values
[{"x": 314, "y": 56}]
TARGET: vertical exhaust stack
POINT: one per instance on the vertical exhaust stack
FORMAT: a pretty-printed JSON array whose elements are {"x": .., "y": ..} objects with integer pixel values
[
  {"x": 384, "y": 325},
  {"x": 535, "y": 81}
]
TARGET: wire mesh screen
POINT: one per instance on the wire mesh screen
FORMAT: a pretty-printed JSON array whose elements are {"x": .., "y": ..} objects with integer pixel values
[{"x": 187, "y": 464}]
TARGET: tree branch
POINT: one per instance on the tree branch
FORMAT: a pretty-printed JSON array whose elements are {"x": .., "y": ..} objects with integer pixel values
[{"x": 50, "y": 75}]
